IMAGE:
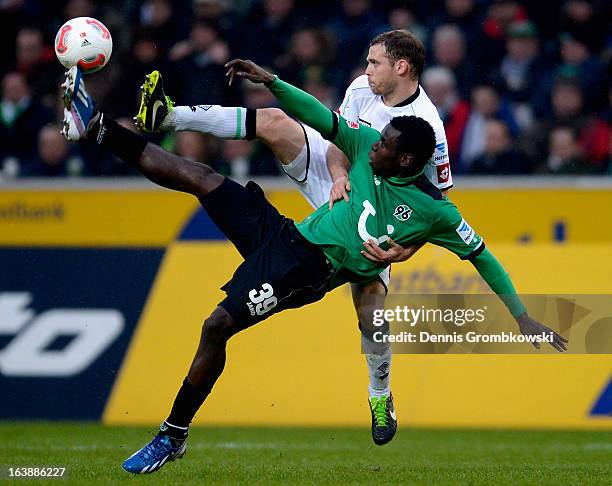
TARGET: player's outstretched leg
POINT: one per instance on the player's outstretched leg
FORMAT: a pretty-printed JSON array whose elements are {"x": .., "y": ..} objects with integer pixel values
[
  {"x": 368, "y": 298},
  {"x": 83, "y": 121},
  {"x": 283, "y": 135}
]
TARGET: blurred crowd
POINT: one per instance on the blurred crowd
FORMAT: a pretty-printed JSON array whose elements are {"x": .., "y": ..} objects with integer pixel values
[{"x": 523, "y": 87}]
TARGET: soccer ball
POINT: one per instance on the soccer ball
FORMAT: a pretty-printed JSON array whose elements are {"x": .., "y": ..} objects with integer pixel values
[{"x": 84, "y": 41}]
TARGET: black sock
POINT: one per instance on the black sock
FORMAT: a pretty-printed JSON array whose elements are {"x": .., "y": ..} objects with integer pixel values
[
  {"x": 172, "y": 431},
  {"x": 187, "y": 402},
  {"x": 124, "y": 143},
  {"x": 250, "y": 124}
]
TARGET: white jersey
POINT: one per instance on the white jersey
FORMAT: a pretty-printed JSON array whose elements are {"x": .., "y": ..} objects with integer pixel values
[{"x": 360, "y": 105}]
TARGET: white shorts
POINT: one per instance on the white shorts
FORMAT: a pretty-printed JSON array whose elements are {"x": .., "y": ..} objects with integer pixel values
[{"x": 310, "y": 174}]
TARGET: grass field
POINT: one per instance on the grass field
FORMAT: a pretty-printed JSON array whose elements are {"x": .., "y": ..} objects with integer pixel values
[{"x": 93, "y": 454}]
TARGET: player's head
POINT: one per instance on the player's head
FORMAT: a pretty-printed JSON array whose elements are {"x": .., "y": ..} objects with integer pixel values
[
  {"x": 394, "y": 56},
  {"x": 405, "y": 146}
]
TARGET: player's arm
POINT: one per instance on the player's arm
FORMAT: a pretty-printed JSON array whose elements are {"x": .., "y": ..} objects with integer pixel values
[
  {"x": 349, "y": 137},
  {"x": 498, "y": 279},
  {"x": 300, "y": 104},
  {"x": 452, "y": 232},
  {"x": 338, "y": 167}
]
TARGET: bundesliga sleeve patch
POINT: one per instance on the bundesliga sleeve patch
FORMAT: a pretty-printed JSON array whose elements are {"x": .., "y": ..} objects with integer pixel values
[
  {"x": 443, "y": 172},
  {"x": 465, "y": 232}
]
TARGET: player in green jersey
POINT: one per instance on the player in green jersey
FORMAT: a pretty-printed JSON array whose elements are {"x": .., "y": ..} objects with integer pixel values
[{"x": 288, "y": 265}]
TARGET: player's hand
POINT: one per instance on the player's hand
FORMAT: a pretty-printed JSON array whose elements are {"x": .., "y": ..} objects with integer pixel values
[
  {"x": 339, "y": 190},
  {"x": 249, "y": 70},
  {"x": 530, "y": 327},
  {"x": 395, "y": 254}
]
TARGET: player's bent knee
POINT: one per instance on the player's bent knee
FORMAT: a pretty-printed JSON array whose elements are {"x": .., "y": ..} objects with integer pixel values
[
  {"x": 219, "y": 326},
  {"x": 274, "y": 126},
  {"x": 270, "y": 121},
  {"x": 368, "y": 298}
]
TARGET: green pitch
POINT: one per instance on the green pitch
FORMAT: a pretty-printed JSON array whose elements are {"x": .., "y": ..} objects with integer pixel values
[{"x": 93, "y": 454}]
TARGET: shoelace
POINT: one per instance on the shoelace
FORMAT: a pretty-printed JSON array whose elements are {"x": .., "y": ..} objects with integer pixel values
[
  {"x": 380, "y": 411},
  {"x": 148, "y": 452}
]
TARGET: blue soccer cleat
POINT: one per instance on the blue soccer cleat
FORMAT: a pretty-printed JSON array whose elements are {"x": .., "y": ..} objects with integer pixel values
[
  {"x": 155, "y": 454},
  {"x": 79, "y": 108}
]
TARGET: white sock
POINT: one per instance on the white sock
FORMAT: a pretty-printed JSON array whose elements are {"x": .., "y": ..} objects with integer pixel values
[
  {"x": 379, "y": 393},
  {"x": 219, "y": 121},
  {"x": 378, "y": 358}
]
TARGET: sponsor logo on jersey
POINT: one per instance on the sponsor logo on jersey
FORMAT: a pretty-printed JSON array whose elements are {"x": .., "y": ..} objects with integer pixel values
[
  {"x": 441, "y": 147},
  {"x": 402, "y": 212},
  {"x": 352, "y": 124},
  {"x": 465, "y": 232},
  {"x": 443, "y": 171},
  {"x": 364, "y": 122}
]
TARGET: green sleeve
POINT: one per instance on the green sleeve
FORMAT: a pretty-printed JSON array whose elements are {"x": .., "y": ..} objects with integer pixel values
[
  {"x": 454, "y": 233},
  {"x": 349, "y": 137},
  {"x": 499, "y": 281}
]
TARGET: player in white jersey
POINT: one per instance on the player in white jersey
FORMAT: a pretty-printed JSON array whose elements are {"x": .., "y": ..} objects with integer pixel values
[{"x": 389, "y": 88}]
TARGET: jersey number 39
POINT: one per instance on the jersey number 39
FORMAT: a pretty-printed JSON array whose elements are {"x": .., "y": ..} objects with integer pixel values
[{"x": 263, "y": 299}]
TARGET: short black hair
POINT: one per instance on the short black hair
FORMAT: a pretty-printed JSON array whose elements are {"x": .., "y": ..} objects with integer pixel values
[
  {"x": 401, "y": 44},
  {"x": 416, "y": 138}
]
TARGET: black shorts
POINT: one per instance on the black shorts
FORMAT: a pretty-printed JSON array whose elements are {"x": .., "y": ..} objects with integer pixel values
[{"x": 282, "y": 270}]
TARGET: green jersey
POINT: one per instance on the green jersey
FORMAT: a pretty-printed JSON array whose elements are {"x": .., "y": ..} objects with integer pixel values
[{"x": 407, "y": 210}]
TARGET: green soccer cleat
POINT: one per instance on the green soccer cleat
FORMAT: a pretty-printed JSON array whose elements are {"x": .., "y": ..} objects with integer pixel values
[
  {"x": 384, "y": 421},
  {"x": 154, "y": 104}
]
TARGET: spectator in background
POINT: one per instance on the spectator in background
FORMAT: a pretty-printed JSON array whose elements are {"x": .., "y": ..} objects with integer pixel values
[
  {"x": 53, "y": 156},
  {"x": 449, "y": 51},
  {"x": 143, "y": 57},
  {"x": 14, "y": 14},
  {"x": 166, "y": 25},
  {"x": 197, "y": 74},
  {"x": 586, "y": 19},
  {"x": 261, "y": 160},
  {"x": 21, "y": 118},
  {"x": 197, "y": 147},
  {"x": 402, "y": 18},
  {"x": 214, "y": 11},
  {"x": 318, "y": 86},
  {"x": 499, "y": 156},
  {"x": 256, "y": 95},
  {"x": 522, "y": 72},
  {"x": 308, "y": 56},
  {"x": 439, "y": 83},
  {"x": 486, "y": 104},
  {"x": 579, "y": 63},
  {"x": 269, "y": 28},
  {"x": 568, "y": 110},
  {"x": 236, "y": 158},
  {"x": 465, "y": 15},
  {"x": 37, "y": 62},
  {"x": 564, "y": 153},
  {"x": 353, "y": 29},
  {"x": 79, "y": 8},
  {"x": 500, "y": 15}
]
